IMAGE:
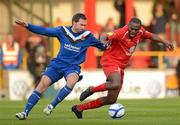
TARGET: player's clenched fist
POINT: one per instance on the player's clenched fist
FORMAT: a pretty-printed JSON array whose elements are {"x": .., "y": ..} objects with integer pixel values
[
  {"x": 104, "y": 40},
  {"x": 169, "y": 45}
]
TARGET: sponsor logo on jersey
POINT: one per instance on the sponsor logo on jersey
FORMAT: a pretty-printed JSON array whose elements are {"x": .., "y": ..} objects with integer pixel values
[{"x": 72, "y": 48}]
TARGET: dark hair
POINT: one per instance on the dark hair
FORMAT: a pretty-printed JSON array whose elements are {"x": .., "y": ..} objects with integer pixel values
[
  {"x": 78, "y": 16},
  {"x": 135, "y": 20}
]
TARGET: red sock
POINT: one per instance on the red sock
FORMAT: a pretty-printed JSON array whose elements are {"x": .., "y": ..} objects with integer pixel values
[
  {"x": 90, "y": 105},
  {"x": 99, "y": 88}
]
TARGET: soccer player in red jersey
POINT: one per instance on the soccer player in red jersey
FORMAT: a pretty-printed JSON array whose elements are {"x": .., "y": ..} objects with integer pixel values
[{"x": 114, "y": 60}]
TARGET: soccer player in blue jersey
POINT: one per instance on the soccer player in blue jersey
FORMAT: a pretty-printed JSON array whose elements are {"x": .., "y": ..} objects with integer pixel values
[{"x": 75, "y": 41}]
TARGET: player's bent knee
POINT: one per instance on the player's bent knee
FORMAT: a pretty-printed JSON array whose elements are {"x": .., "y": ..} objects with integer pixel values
[
  {"x": 43, "y": 85},
  {"x": 116, "y": 86}
]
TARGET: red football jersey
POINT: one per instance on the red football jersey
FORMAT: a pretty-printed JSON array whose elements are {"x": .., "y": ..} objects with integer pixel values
[{"x": 122, "y": 46}]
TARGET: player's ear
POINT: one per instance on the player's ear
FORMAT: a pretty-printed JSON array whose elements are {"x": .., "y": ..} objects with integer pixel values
[
  {"x": 129, "y": 24},
  {"x": 72, "y": 22}
]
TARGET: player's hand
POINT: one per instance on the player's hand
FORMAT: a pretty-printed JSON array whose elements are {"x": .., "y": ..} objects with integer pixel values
[
  {"x": 103, "y": 37},
  {"x": 21, "y": 23},
  {"x": 105, "y": 41},
  {"x": 169, "y": 45},
  {"x": 107, "y": 44}
]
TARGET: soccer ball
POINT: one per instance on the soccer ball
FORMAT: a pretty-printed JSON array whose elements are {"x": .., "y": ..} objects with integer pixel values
[{"x": 116, "y": 110}]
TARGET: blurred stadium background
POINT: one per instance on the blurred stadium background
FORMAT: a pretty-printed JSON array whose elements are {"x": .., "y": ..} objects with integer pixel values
[{"x": 153, "y": 72}]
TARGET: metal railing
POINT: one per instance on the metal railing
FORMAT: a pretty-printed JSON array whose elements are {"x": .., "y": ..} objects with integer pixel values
[{"x": 159, "y": 54}]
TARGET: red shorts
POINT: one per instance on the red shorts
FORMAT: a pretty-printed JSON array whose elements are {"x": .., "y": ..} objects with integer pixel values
[{"x": 109, "y": 68}]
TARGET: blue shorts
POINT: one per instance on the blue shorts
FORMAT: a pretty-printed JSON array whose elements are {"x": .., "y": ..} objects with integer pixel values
[{"x": 57, "y": 71}]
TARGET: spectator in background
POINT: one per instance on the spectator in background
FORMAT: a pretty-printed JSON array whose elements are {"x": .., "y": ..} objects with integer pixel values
[
  {"x": 37, "y": 57},
  {"x": 11, "y": 55},
  {"x": 0, "y": 54},
  {"x": 173, "y": 82},
  {"x": 158, "y": 24},
  {"x": 109, "y": 26},
  {"x": 159, "y": 20},
  {"x": 120, "y": 7},
  {"x": 175, "y": 22},
  {"x": 178, "y": 74},
  {"x": 0, "y": 69}
]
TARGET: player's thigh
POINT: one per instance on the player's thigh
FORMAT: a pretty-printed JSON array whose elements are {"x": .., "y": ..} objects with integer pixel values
[
  {"x": 112, "y": 72},
  {"x": 53, "y": 74},
  {"x": 115, "y": 77},
  {"x": 72, "y": 75}
]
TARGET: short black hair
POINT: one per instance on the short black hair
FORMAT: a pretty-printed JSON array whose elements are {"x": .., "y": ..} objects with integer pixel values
[
  {"x": 78, "y": 16},
  {"x": 135, "y": 20}
]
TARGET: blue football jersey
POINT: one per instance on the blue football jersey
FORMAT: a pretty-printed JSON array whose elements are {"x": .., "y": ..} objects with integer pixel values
[{"x": 73, "y": 45}]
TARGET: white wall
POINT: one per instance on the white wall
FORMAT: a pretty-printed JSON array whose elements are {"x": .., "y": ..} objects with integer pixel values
[
  {"x": 137, "y": 84},
  {"x": 105, "y": 9}
]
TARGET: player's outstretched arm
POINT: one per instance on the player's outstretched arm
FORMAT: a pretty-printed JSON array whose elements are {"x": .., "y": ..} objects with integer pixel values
[
  {"x": 52, "y": 32},
  {"x": 169, "y": 45}
]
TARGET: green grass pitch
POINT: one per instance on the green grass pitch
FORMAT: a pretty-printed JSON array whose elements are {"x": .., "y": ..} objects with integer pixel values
[{"x": 138, "y": 112}]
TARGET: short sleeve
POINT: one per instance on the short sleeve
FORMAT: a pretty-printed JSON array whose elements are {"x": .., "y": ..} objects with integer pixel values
[
  {"x": 115, "y": 35},
  {"x": 146, "y": 35}
]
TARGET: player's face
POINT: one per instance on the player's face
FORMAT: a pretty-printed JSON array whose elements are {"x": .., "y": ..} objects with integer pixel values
[
  {"x": 79, "y": 26},
  {"x": 10, "y": 39},
  {"x": 133, "y": 29}
]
